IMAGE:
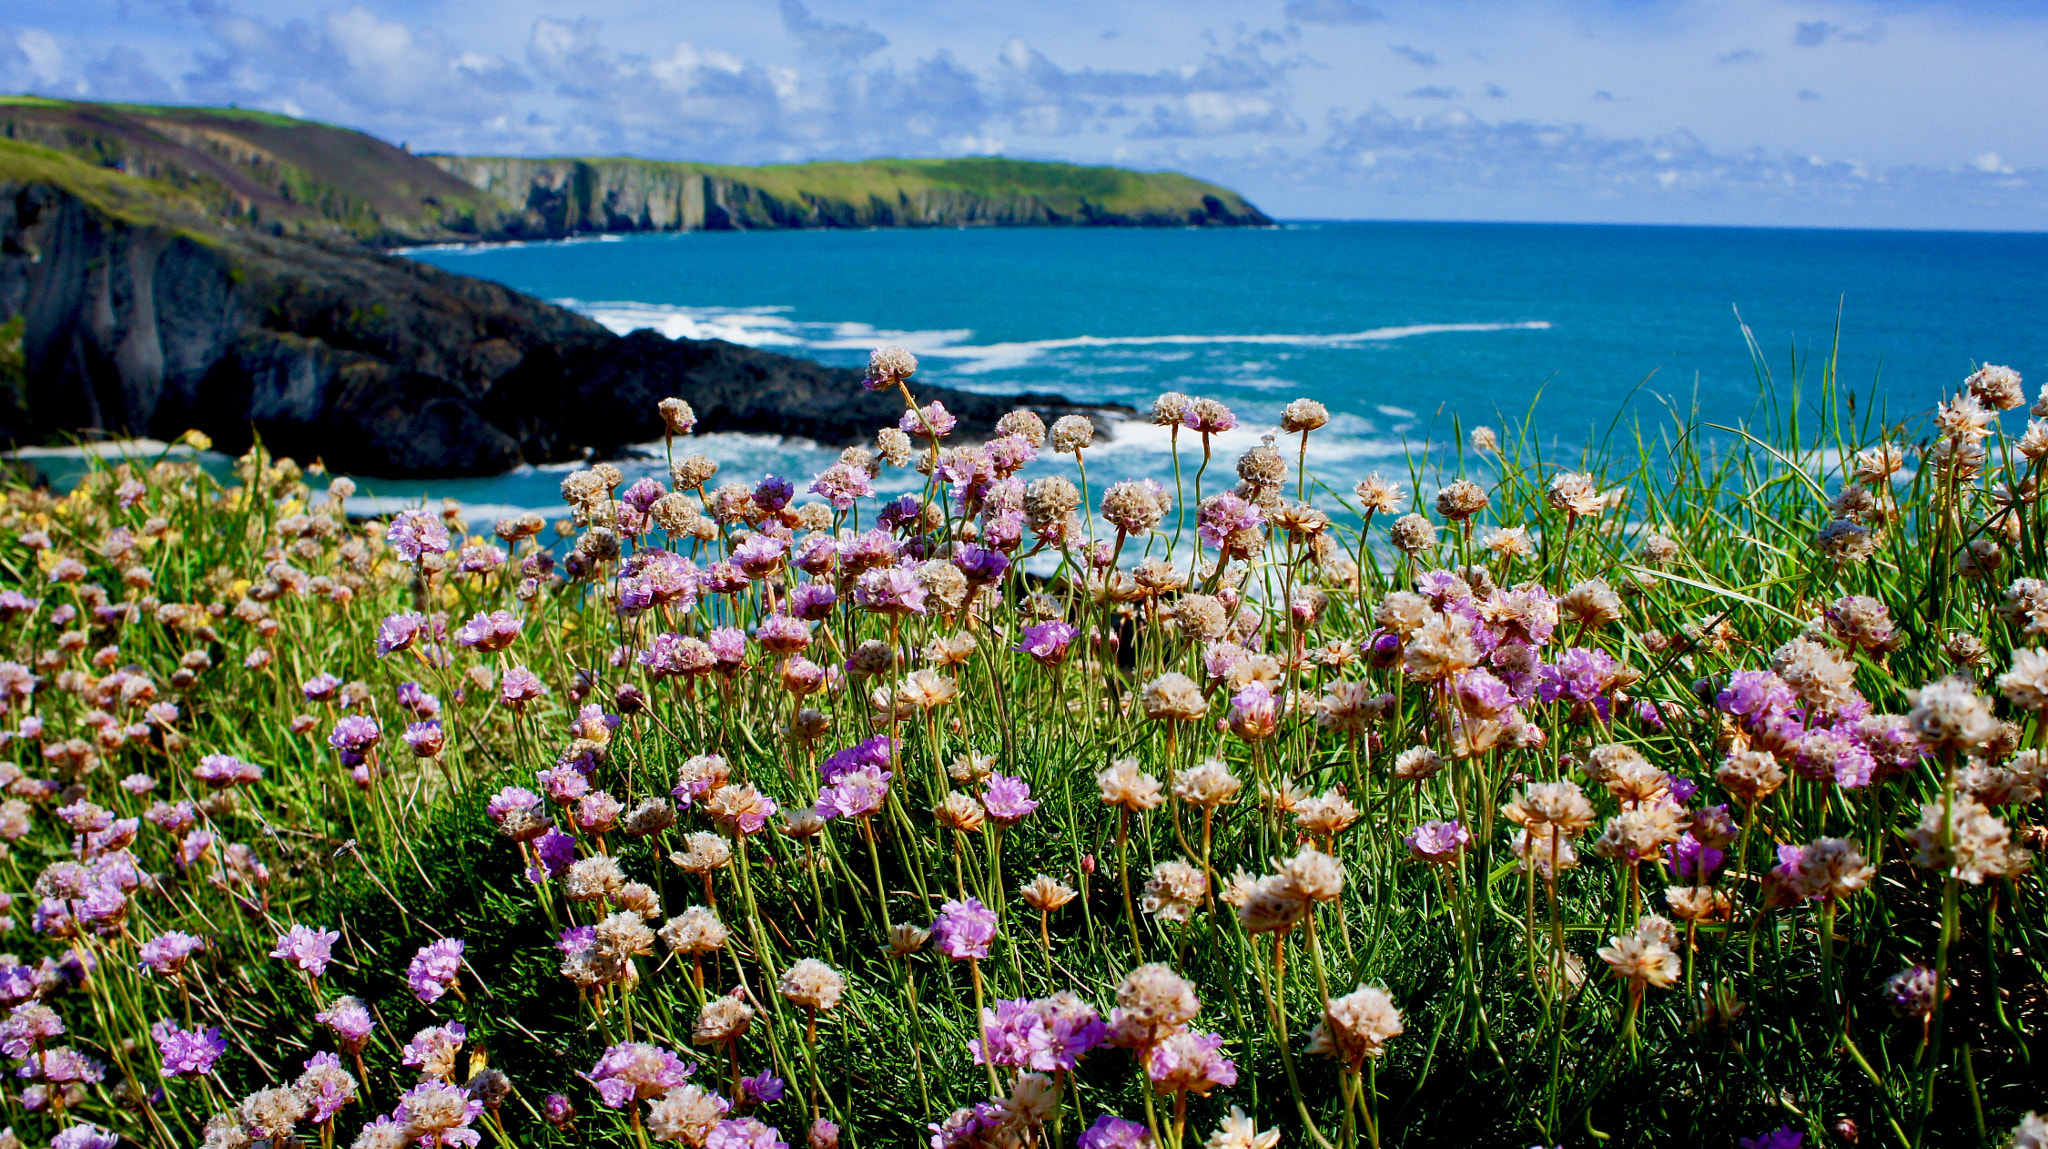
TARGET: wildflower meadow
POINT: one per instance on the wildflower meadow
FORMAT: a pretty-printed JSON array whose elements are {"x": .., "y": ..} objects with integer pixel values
[{"x": 1683, "y": 791}]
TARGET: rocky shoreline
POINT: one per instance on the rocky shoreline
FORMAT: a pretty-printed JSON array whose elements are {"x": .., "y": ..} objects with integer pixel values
[{"x": 140, "y": 312}]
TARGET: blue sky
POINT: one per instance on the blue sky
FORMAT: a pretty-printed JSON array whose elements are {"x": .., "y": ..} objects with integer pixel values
[{"x": 1752, "y": 111}]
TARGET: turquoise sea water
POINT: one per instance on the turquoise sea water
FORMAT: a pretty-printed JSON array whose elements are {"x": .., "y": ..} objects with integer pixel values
[{"x": 1399, "y": 327}]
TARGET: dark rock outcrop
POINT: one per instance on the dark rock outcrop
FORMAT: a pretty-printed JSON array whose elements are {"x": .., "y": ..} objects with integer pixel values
[{"x": 138, "y": 323}]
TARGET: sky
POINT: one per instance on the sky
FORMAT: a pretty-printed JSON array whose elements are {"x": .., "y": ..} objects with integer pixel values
[{"x": 1772, "y": 112}]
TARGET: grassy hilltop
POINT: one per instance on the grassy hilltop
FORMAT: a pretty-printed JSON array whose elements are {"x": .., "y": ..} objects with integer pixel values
[{"x": 300, "y": 177}]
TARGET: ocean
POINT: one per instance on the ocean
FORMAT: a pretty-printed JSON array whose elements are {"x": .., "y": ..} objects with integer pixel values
[{"x": 1411, "y": 333}]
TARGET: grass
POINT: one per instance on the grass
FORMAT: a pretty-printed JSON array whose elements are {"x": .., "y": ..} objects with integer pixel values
[{"x": 1574, "y": 1008}]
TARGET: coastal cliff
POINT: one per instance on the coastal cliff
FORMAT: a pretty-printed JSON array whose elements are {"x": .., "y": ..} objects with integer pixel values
[
  {"x": 581, "y": 196},
  {"x": 269, "y": 173},
  {"x": 140, "y": 312}
]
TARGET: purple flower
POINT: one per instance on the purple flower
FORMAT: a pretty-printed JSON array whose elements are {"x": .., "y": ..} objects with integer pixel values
[
  {"x": 554, "y": 851},
  {"x": 854, "y": 793},
  {"x": 1222, "y": 516},
  {"x": 773, "y": 493},
  {"x": 219, "y": 770},
  {"x": 321, "y": 687},
  {"x": 636, "y": 1070},
  {"x": 761, "y": 1090},
  {"x": 1013, "y": 1035},
  {"x": 187, "y": 1052},
  {"x": 434, "y": 969},
  {"x": 350, "y": 1021},
  {"x": 728, "y": 647},
  {"x": 308, "y": 949},
  {"x": 981, "y": 565},
  {"x": 426, "y": 738},
  {"x": 744, "y": 1133},
  {"x": 167, "y": 953},
  {"x": 874, "y": 752},
  {"x": 1113, "y": 1132},
  {"x": 354, "y": 733},
  {"x": 1755, "y": 695},
  {"x": 965, "y": 929},
  {"x": 489, "y": 632},
  {"x": 399, "y": 631},
  {"x": 434, "y": 1043},
  {"x": 1048, "y": 641},
  {"x": 842, "y": 485},
  {"x": 1008, "y": 800},
  {"x": 1074, "y": 1027},
  {"x": 84, "y": 1136},
  {"x": 813, "y": 601},
  {"x": 1689, "y": 855},
  {"x": 1651, "y": 717},
  {"x": 1438, "y": 843},
  {"x": 1783, "y": 1137},
  {"x": 935, "y": 414},
  {"x": 761, "y": 555},
  {"x": 328, "y": 1091},
  {"x": 1481, "y": 695},
  {"x": 519, "y": 687},
  {"x": 1579, "y": 674},
  {"x": 643, "y": 494},
  {"x": 889, "y": 590},
  {"x": 1190, "y": 1062},
  {"x": 415, "y": 533}
]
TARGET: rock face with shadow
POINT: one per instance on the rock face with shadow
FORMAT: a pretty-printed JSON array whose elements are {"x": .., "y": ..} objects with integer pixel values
[{"x": 139, "y": 311}]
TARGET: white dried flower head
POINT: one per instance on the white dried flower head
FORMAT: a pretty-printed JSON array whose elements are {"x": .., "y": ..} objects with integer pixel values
[
  {"x": 1326, "y": 815},
  {"x": 1173, "y": 697},
  {"x": 1832, "y": 868},
  {"x": 2032, "y": 1131},
  {"x": 1174, "y": 890},
  {"x": 812, "y": 984},
  {"x": 1152, "y": 1001},
  {"x": 1698, "y": 903},
  {"x": 696, "y": 930},
  {"x": 1356, "y": 1026},
  {"x": 1821, "y": 675},
  {"x": 721, "y": 1020},
  {"x": 1169, "y": 409},
  {"x": 685, "y": 1115},
  {"x": 1208, "y": 785},
  {"x": 1544, "y": 805},
  {"x": 1575, "y": 494},
  {"x": 1485, "y": 441},
  {"x": 1133, "y": 507},
  {"x": 1262, "y": 467},
  {"x": 1978, "y": 843},
  {"x": 1461, "y": 500},
  {"x": 1046, "y": 893},
  {"x": 1377, "y": 496},
  {"x": 1509, "y": 542},
  {"x": 676, "y": 416},
  {"x": 1071, "y": 433},
  {"x": 1998, "y": 388},
  {"x": 1125, "y": 785},
  {"x": 702, "y": 853},
  {"x": 1643, "y": 957},
  {"x": 1963, "y": 419},
  {"x": 971, "y": 768},
  {"x": 1239, "y": 1131},
  {"x": 1318, "y": 876},
  {"x": 1033, "y": 1102},
  {"x": 592, "y": 878},
  {"x": 894, "y": 446},
  {"x": 1417, "y": 764},
  {"x": 1948, "y": 713},
  {"x": 272, "y": 1113},
  {"x": 889, "y": 365},
  {"x": 624, "y": 934},
  {"x": 1201, "y": 617},
  {"x": 1303, "y": 415},
  {"x": 1591, "y": 603},
  {"x": 1750, "y": 775},
  {"x": 1878, "y": 464},
  {"x": 2026, "y": 684},
  {"x": 1846, "y": 542},
  {"x": 1413, "y": 534},
  {"x": 2034, "y": 443},
  {"x": 960, "y": 812},
  {"x": 1270, "y": 904},
  {"x": 1024, "y": 424},
  {"x": 906, "y": 939},
  {"x": 1442, "y": 649}
]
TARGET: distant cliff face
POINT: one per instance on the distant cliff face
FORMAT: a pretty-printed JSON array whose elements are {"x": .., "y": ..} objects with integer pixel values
[
  {"x": 140, "y": 314},
  {"x": 570, "y": 196}
]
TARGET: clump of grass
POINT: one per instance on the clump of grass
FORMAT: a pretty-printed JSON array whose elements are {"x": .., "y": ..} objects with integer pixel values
[{"x": 1686, "y": 794}]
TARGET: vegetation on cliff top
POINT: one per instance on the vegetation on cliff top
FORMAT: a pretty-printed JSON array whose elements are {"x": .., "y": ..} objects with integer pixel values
[{"x": 300, "y": 177}]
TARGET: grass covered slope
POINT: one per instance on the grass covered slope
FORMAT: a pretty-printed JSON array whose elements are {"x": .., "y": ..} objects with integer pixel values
[
  {"x": 298, "y": 177},
  {"x": 1661, "y": 796},
  {"x": 263, "y": 171},
  {"x": 623, "y": 194}
]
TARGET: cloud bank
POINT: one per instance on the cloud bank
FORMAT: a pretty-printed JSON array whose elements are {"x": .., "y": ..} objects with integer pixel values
[{"x": 1766, "y": 112}]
